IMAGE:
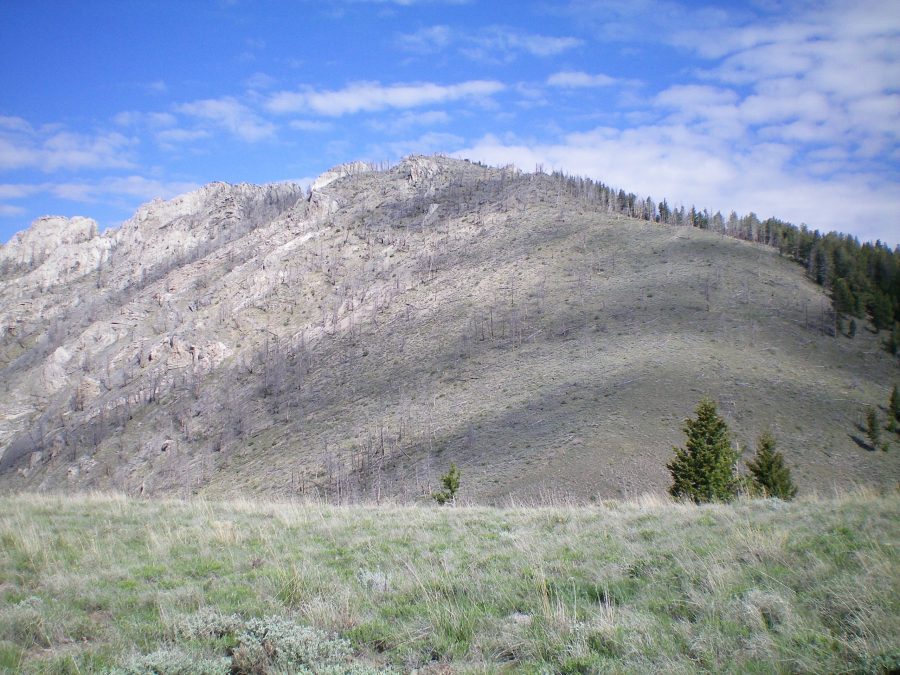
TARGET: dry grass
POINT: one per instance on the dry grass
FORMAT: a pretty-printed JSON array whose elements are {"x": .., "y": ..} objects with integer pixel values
[{"x": 98, "y": 582}]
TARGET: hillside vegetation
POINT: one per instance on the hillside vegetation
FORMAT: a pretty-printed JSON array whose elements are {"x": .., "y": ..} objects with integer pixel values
[
  {"x": 99, "y": 582},
  {"x": 352, "y": 343}
]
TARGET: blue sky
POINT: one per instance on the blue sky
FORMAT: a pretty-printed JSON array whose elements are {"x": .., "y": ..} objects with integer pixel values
[{"x": 787, "y": 109}]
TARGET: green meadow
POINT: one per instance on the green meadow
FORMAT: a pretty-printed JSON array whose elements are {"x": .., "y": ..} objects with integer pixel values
[{"x": 105, "y": 583}]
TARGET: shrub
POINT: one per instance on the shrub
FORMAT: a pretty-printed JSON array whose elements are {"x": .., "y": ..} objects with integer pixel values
[
  {"x": 174, "y": 662},
  {"x": 450, "y": 481},
  {"x": 278, "y": 644},
  {"x": 263, "y": 645},
  {"x": 207, "y": 624},
  {"x": 703, "y": 471}
]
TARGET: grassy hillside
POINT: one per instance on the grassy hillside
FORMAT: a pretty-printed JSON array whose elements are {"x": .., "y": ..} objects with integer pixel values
[
  {"x": 98, "y": 582},
  {"x": 436, "y": 312}
]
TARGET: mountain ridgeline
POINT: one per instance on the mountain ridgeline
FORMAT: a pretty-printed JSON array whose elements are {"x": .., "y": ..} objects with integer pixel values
[{"x": 546, "y": 334}]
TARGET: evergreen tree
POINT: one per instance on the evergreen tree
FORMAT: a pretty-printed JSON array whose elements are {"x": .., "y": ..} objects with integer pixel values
[
  {"x": 894, "y": 409},
  {"x": 892, "y": 344},
  {"x": 882, "y": 311},
  {"x": 450, "y": 481},
  {"x": 873, "y": 428},
  {"x": 664, "y": 212},
  {"x": 818, "y": 266},
  {"x": 703, "y": 471},
  {"x": 844, "y": 300},
  {"x": 769, "y": 470}
]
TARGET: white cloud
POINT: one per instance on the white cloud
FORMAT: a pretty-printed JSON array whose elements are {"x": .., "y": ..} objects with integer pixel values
[
  {"x": 145, "y": 188},
  {"x": 397, "y": 124},
  {"x": 104, "y": 190},
  {"x": 427, "y": 40},
  {"x": 542, "y": 45},
  {"x": 503, "y": 44},
  {"x": 782, "y": 101},
  {"x": 822, "y": 75},
  {"x": 17, "y": 154},
  {"x": 14, "y": 124},
  {"x": 17, "y": 190},
  {"x": 693, "y": 97},
  {"x": 231, "y": 115},
  {"x": 124, "y": 193},
  {"x": 796, "y": 115},
  {"x": 577, "y": 79},
  {"x": 7, "y": 210},
  {"x": 491, "y": 44},
  {"x": 373, "y": 96},
  {"x": 71, "y": 150},
  {"x": 162, "y": 126},
  {"x": 310, "y": 125},
  {"x": 134, "y": 118},
  {"x": 425, "y": 144},
  {"x": 157, "y": 87},
  {"x": 50, "y": 149},
  {"x": 259, "y": 81},
  {"x": 172, "y": 138}
]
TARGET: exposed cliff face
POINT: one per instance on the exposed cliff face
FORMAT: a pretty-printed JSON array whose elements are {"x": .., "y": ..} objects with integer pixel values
[
  {"x": 53, "y": 250},
  {"x": 160, "y": 236},
  {"x": 46, "y": 235},
  {"x": 78, "y": 306},
  {"x": 355, "y": 340},
  {"x": 340, "y": 171}
]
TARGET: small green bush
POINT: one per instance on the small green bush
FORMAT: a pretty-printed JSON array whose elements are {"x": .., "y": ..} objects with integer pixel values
[{"x": 450, "y": 481}]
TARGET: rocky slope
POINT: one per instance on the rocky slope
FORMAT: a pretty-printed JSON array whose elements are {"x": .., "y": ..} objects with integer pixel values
[{"x": 353, "y": 341}]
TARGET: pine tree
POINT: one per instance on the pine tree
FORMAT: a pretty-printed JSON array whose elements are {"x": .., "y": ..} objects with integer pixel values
[
  {"x": 769, "y": 470},
  {"x": 873, "y": 428},
  {"x": 703, "y": 471},
  {"x": 894, "y": 409},
  {"x": 882, "y": 311},
  {"x": 844, "y": 300}
]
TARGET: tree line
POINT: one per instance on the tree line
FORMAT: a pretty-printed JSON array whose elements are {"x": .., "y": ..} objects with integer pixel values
[{"x": 862, "y": 278}]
